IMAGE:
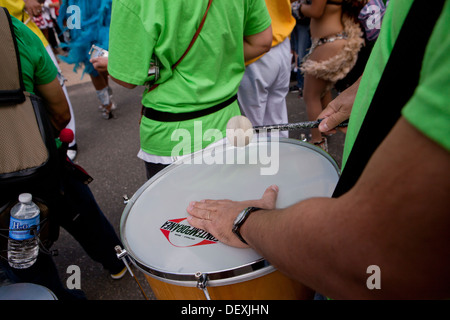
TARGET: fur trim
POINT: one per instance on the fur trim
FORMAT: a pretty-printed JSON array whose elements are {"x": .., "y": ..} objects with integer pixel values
[{"x": 337, "y": 67}]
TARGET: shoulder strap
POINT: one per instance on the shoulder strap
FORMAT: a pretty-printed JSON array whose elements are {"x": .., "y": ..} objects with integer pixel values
[
  {"x": 190, "y": 44},
  {"x": 398, "y": 83},
  {"x": 11, "y": 82}
]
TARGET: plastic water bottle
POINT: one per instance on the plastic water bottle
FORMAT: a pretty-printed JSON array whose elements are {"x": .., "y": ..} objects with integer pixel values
[{"x": 23, "y": 247}]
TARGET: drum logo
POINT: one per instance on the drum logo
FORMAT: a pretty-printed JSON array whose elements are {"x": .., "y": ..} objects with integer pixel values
[{"x": 181, "y": 234}]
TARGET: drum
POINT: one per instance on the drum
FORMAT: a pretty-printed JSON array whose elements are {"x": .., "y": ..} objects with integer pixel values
[
  {"x": 26, "y": 291},
  {"x": 178, "y": 259}
]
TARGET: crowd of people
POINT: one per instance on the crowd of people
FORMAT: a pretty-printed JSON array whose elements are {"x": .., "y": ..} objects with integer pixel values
[{"x": 353, "y": 59}]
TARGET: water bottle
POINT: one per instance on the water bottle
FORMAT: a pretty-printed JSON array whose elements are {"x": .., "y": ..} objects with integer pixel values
[{"x": 23, "y": 247}]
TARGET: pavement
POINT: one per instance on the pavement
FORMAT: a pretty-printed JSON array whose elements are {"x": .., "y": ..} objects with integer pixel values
[{"x": 107, "y": 150}]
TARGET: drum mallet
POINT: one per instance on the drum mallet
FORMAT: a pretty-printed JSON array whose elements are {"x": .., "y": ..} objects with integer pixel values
[{"x": 295, "y": 125}]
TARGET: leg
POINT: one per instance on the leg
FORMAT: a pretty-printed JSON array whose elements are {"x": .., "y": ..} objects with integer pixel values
[
  {"x": 71, "y": 124},
  {"x": 313, "y": 93},
  {"x": 316, "y": 90},
  {"x": 276, "y": 109},
  {"x": 303, "y": 45},
  {"x": 252, "y": 94},
  {"x": 100, "y": 82},
  {"x": 85, "y": 221},
  {"x": 153, "y": 168}
]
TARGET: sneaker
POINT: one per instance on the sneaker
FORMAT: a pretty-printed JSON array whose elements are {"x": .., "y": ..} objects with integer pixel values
[
  {"x": 102, "y": 108},
  {"x": 120, "y": 274},
  {"x": 72, "y": 152}
]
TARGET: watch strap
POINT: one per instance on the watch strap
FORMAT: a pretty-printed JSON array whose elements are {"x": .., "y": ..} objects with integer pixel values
[{"x": 237, "y": 225}]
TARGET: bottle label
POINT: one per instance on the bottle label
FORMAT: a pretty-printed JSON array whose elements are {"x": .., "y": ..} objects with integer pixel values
[{"x": 23, "y": 229}]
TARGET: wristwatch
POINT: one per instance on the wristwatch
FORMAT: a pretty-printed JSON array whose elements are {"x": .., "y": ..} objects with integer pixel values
[{"x": 240, "y": 219}]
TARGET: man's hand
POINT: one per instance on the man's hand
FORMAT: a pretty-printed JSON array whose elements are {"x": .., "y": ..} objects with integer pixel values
[
  {"x": 338, "y": 110},
  {"x": 33, "y": 7},
  {"x": 100, "y": 63},
  {"x": 217, "y": 216}
]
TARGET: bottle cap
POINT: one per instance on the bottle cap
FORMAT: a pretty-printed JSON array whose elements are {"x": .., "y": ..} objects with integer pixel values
[{"x": 25, "y": 197}]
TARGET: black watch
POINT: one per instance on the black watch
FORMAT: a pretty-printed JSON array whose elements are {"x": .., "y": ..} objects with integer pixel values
[{"x": 239, "y": 221}]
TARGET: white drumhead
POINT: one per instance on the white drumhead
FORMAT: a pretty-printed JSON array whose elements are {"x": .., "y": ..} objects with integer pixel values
[
  {"x": 26, "y": 291},
  {"x": 154, "y": 229}
]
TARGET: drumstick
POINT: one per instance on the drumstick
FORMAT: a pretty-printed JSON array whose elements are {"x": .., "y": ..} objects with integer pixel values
[
  {"x": 240, "y": 135},
  {"x": 295, "y": 125}
]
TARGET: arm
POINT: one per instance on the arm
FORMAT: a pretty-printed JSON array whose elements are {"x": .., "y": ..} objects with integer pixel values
[
  {"x": 123, "y": 83},
  {"x": 33, "y": 7},
  {"x": 101, "y": 64},
  {"x": 395, "y": 217},
  {"x": 314, "y": 10},
  {"x": 257, "y": 44},
  {"x": 56, "y": 103}
]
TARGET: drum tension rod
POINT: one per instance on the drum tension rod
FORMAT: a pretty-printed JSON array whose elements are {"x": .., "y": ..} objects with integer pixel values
[
  {"x": 122, "y": 255},
  {"x": 201, "y": 283}
]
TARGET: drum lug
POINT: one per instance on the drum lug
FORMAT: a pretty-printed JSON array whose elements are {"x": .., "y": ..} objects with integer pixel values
[
  {"x": 125, "y": 199},
  {"x": 202, "y": 279},
  {"x": 122, "y": 254}
]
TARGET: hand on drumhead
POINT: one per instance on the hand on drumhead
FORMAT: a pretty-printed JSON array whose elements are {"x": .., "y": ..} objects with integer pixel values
[{"x": 217, "y": 216}]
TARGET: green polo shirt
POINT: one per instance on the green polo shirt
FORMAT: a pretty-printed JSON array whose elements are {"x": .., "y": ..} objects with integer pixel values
[
  {"x": 208, "y": 75},
  {"x": 428, "y": 109},
  {"x": 37, "y": 66}
]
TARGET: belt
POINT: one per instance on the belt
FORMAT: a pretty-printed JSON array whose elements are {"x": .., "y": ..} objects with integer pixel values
[{"x": 156, "y": 115}]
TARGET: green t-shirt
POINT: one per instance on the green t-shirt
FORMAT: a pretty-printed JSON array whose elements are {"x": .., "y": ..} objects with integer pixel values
[
  {"x": 37, "y": 66},
  {"x": 208, "y": 75},
  {"x": 428, "y": 109}
]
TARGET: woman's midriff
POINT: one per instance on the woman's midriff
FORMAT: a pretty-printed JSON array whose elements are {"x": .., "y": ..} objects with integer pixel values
[{"x": 329, "y": 24}]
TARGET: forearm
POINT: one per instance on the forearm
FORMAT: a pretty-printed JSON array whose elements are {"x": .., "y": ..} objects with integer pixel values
[
  {"x": 309, "y": 243},
  {"x": 395, "y": 217},
  {"x": 56, "y": 103},
  {"x": 123, "y": 83},
  {"x": 313, "y": 10}
]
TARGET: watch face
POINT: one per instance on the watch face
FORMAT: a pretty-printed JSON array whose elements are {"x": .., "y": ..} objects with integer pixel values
[{"x": 240, "y": 216}]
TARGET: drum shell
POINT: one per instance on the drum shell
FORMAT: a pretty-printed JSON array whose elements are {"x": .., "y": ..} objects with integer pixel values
[{"x": 273, "y": 286}]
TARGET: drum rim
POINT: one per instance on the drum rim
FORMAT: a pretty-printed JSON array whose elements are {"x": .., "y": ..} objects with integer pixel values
[
  {"x": 252, "y": 270},
  {"x": 223, "y": 277}
]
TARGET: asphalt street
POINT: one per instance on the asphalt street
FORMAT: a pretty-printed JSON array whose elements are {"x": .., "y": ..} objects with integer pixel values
[{"x": 107, "y": 150}]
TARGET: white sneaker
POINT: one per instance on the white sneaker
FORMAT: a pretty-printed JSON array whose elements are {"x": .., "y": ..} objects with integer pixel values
[{"x": 72, "y": 152}]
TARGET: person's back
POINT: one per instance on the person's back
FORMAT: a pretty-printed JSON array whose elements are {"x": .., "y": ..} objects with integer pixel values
[
  {"x": 207, "y": 77},
  {"x": 209, "y": 73}
]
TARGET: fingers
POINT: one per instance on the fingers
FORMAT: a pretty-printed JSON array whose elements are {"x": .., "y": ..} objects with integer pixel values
[
  {"x": 217, "y": 216},
  {"x": 200, "y": 210},
  {"x": 198, "y": 222},
  {"x": 331, "y": 120},
  {"x": 99, "y": 63}
]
